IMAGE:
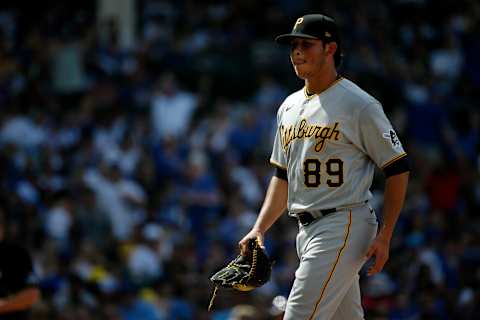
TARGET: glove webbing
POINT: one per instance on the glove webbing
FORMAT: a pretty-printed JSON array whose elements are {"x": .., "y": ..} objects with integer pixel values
[
  {"x": 214, "y": 295},
  {"x": 250, "y": 274},
  {"x": 254, "y": 263}
]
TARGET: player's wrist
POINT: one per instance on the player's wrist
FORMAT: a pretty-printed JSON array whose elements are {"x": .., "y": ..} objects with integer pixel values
[
  {"x": 259, "y": 230},
  {"x": 385, "y": 233}
]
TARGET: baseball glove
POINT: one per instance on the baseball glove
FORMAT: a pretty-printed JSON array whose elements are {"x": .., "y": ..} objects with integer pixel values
[{"x": 244, "y": 273}]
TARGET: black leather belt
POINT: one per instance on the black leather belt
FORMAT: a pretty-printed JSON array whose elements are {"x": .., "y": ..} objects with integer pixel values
[{"x": 305, "y": 218}]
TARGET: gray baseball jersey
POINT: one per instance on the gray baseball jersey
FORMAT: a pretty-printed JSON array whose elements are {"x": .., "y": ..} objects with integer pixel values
[{"x": 329, "y": 144}]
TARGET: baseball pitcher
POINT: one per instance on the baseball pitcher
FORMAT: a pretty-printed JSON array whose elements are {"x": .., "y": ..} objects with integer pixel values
[{"x": 331, "y": 134}]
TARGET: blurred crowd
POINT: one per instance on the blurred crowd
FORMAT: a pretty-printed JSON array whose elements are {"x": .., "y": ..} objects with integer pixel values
[{"x": 131, "y": 172}]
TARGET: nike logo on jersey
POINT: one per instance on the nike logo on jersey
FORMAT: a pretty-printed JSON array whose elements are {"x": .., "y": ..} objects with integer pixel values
[
  {"x": 303, "y": 130},
  {"x": 393, "y": 138}
]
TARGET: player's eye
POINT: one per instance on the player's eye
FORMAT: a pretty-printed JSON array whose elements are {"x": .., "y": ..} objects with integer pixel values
[
  {"x": 306, "y": 44},
  {"x": 301, "y": 44}
]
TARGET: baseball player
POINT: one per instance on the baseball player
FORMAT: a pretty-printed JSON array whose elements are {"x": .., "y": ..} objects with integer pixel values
[
  {"x": 18, "y": 284},
  {"x": 331, "y": 135}
]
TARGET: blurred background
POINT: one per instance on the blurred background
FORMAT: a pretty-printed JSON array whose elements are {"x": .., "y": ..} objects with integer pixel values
[{"x": 135, "y": 138}]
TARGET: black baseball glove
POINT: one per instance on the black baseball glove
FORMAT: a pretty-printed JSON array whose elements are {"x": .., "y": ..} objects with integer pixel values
[{"x": 244, "y": 273}]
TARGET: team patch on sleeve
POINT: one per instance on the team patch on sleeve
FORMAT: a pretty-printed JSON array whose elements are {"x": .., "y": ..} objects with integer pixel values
[{"x": 393, "y": 138}]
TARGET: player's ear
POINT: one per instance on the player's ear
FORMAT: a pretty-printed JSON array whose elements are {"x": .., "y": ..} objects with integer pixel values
[{"x": 331, "y": 48}]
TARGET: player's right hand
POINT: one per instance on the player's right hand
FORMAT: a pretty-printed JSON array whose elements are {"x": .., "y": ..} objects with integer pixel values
[{"x": 253, "y": 234}]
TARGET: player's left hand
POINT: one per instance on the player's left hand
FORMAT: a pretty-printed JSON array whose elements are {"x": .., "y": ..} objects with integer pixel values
[{"x": 379, "y": 249}]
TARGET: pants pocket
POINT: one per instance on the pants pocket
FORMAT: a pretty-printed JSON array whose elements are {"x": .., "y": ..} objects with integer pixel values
[
  {"x": 372, "y": 221},
  {"x": 372, "y": 218}
]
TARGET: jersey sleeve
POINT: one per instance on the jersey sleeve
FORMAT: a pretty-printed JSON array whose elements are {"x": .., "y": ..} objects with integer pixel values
[
  {"x": 278, "y": 157},
  {"x": 377, "y": 136}
]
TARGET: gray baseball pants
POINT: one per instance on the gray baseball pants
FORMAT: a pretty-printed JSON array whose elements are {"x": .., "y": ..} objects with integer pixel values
[{"x": 331, "y": 251}]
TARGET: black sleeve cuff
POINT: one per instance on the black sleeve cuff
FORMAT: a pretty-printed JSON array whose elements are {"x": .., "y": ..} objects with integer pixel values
[
  {"x": 397, "y": 167},
  {"x": 281, "y": 173}
]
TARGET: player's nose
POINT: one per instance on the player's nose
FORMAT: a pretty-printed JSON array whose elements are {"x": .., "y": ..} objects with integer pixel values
[{"x": 296, "y": 55}]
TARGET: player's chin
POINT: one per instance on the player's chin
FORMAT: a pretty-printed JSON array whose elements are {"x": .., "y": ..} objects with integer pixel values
[
  {"x": 302, "y": 70},
  {"x": 302, "y": 74}
]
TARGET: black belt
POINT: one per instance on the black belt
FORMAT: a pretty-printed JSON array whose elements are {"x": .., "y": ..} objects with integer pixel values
[{"x": 305, "y": 218}]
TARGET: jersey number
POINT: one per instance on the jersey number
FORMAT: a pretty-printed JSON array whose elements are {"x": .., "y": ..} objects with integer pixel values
[{"x": 312, "y": 169}]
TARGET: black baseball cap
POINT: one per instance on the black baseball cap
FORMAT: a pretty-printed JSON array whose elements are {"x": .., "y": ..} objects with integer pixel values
[{"x": 314, "y": 26}]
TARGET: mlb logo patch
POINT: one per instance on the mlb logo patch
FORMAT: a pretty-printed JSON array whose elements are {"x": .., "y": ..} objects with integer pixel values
[{"x": 393, "y": 138}]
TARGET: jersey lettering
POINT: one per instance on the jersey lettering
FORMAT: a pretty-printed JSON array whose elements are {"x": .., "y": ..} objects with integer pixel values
[{"x": 303, "y": 130}]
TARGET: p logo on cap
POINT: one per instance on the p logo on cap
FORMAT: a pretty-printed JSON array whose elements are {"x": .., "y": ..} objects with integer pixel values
[{"x": 299, "y": 22}]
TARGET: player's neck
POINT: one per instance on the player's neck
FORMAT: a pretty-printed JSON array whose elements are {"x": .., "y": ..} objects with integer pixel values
[{"x": 318, "y": 84}]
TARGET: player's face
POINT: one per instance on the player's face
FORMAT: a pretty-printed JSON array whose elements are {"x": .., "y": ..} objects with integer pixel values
[{"x": 308, "y": 57}]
